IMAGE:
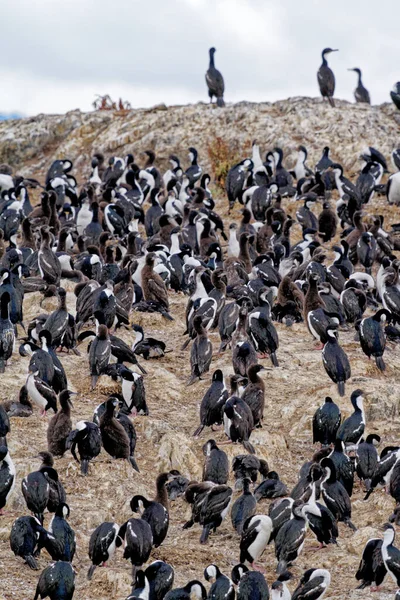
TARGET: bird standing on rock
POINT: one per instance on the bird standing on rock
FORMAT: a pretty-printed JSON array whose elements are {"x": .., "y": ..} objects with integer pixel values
[
  {"x": 215, "y": 81},
  {"x": 326, "y": 78}
]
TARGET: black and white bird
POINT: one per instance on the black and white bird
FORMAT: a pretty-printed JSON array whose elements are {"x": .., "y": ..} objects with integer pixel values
[
  {"x": 290, "y": 538},
  {"x": 391, "y": 554},
  {"x": 102, "y": 545},
  {"x": 256, "y": 535},
  {"x": 335, "y": 360},
  {"x": 361, "y": 94},
  {"x": 7, "y": 476},
  {"x": 313, "y": 585},
  {"x": 212, "y": 404},
  {"x": 42, "y": 394},
  {"x": 222, "y": 586},
  {"x": 335, "y": 495},
  {"x": 371, "y": 570},
  {"x": 279, "y": 589},
  {"x": 215, "y": 81},
  {"x": 372, "y": 336},
  {"x": 352, "y": 428},
  {"x": 61, "y": 545},
  {"x": 250, "y": 584},
  {"x": 57, "y": 581},
  {"x": 193, "y": 590},
  {"x": 86, "y": 438},
  {"x": 26, "y": 537},
  {"x": 326, "y": 78}
]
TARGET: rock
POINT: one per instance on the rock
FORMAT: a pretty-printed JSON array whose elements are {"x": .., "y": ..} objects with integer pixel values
[{"x": 175, "y": 453}]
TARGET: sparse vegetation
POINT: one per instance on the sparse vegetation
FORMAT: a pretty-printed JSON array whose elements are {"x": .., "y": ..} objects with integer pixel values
[
  {"x": 223, "y": 155},
  {"x": 106, "y": 103}
]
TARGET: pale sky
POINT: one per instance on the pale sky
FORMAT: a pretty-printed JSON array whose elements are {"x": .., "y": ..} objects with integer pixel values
[{"x": 56, "y": 55}]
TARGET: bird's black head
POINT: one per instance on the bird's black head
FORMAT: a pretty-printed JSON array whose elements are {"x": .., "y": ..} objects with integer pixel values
[
  {"x": 63, "y": 510},
  {"x": 218, "y": 375},
  {"x": 328, "y": 51},
  {"x": 212, "y": 51}
]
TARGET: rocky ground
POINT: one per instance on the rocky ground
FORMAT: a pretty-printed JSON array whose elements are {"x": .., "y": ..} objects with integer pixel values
[{"x": 165, "y": 441}]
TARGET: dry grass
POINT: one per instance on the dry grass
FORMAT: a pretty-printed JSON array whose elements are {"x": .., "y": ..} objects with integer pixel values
[{"x": 294, "y": 390}]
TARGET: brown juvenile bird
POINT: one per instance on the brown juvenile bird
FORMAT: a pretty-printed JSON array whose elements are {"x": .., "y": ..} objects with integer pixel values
[
  {"x": 114, "y": 437},
  {"x": 60, "y": 425},
  {"x": 254, "y": 394},
  {"x": 312, "y": 299},
  {"x": 201, "y": 352},
  {"x": 153, "y": 286}
]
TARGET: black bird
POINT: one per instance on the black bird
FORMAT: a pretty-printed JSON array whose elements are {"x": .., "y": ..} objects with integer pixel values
[
  {"x": 57, "y": 493},
  {"x": 36, "y": 491},
  {"x": 372, "y": 336},
  {"x": 212, "y": 404},
  {"x": 326, "y": 422},
  {"x": 243, "y": 507},
  {"x": 214, "y": 509},
  {"x": 4, "y": 425},
  {"x": 391, "y": 554},
  {"x": 248, "y": 465},
  {"x": 160, "y": 578},
  {"x": 334, "y": 494},
  {"x": 26, "y": 537},
  {"x": 372, "y": 570},
  {"x": 61, "y": 544},
  {"x": 251, "y": 585},
  {"x": 222, "y": 587},
  {"x": 138, "y": 542},
  {"x": 87, "y": 439},
  {"x": 99, "y": 354},
  {"x": 201, "y": 352},
  {"x": 114, "y": 437},
  {"x": 215, "y": 81},
  {"x": 335, "y": 360},
  {"x": 352, "y": 428},
  {"x": 326, "y": 78},
  {"x": 361, "y": 94},
  {"x": 155, "y": 512},
  {"x": 321, "y": 520},
  {"x": 343, "y": 465},
  {"x": 236, "y": 180},
  {"x": 7, "y": 333},
  {"x": 7, "y": 476},
  {"x": 271, "y": 487},
  {"x": 395, "y": 95},
  {"x": 216, "y": 466},
  {"x": 367, "y": 250},
  {"x": 193, "y": 173},
  {"x": 58, "y": 321},
  {"x": 238, "y": 422},
  {"x": 367, "y": 459},
  {"x": 102, "y": 545},
  {"x": 57, "y": 581},
  {"x": 313, "y": 585},
  {"x": 290, "y": 538}
]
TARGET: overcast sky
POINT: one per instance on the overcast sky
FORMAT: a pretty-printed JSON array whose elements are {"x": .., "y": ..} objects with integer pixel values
[{"x": 56, "y": 55}]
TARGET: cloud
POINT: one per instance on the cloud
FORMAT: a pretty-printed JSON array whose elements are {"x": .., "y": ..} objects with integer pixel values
[{"x": 55, "y": 55}]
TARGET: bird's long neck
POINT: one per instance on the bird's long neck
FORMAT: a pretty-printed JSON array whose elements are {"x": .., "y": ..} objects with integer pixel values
[
  {"x": 324, "y": 61},
  {"x": 212, "y": 65},
  {"x": 359, "y": 79}
]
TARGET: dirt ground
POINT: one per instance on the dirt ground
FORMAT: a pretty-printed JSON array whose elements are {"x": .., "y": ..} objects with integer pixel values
[{"x": 293, "y": 392}]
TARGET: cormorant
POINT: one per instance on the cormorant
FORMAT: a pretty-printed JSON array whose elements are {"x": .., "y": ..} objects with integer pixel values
[
  {"x": 361, "y": 94},
  {"x": 215, "y": 81},
  {"x": 326, "y": 78}
]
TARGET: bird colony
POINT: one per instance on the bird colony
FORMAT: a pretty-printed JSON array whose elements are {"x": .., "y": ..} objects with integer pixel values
[{"x": 160, "y": 343}]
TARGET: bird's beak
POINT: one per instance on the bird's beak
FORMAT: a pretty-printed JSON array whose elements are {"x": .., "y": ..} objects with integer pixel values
[{"x": 336, "y": 50}]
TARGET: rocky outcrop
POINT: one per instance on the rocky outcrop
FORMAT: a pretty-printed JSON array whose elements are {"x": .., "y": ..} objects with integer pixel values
[{"x": 29, "y": 145}]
